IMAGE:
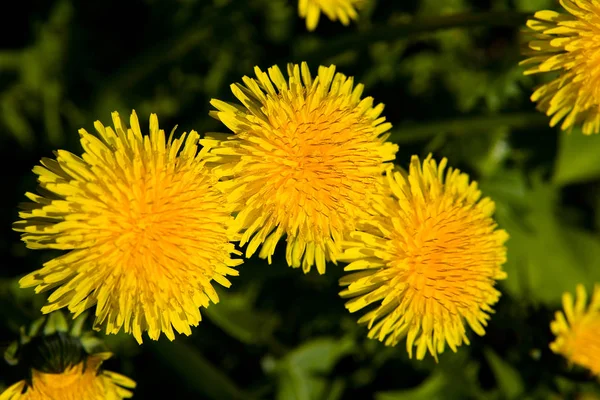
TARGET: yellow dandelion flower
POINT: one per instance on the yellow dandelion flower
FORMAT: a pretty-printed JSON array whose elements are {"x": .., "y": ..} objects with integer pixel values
[
  {"x": 428, "y": 262},
  {"x": 344, "y": 10},
  {"x": 578, "y": 336},
  {"x": 568, "y": 44},
  {"x": 145, "y": 226},
  {"x": 306, "y": 156},
  {"x": 86, "y": 380}
]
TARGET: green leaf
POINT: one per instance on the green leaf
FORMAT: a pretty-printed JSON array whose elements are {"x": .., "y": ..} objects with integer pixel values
[
  {"x": 236, "y": 315},
  {"x": 319, "y": 355},
  {"x": 577, "y": 159},
  {"x": 508, "y": 379},
  {"x": 546, "y": 256},
  {"x": 454, "y": 377},
  {"x": 431, "y": 389},
  {"x": 294, "y": 385},
  {"x": 301, "y": 371}
]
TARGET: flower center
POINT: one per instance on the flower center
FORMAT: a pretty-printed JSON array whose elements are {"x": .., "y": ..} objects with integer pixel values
[
  {"x": 314, "y": 153},
  {"x": 143, "y": 224},
  {"x": 448, "y": 255},
  {"x": 153, "y": 211}
]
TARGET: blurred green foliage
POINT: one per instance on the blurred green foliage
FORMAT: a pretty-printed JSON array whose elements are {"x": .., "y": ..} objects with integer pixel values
[{"x": 447, "y": 72}]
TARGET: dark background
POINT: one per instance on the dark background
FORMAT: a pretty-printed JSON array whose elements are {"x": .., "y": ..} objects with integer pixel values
[{"x": 448, "y": 73}]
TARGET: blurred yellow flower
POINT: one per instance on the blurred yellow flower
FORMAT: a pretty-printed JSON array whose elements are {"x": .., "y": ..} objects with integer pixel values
[
  {"x": 145, "y": 225},
  {"x": 578, "y": 336},
  {"x": 83, "y": 381},
  {"x": 344, "y": 10},
  {"x": 429, "y": 261},
  {"x": 569, "y": 45},
  {"x": 305, "y": 157}
]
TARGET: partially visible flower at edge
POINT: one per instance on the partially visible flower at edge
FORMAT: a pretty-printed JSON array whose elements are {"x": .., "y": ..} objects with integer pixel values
[
  {"x": 306, "y": 155},
  {"x": 578, "y": 335},
  {"x": 344, "y": 10},
  {"x": 146, "y": 230},
  {"x": 63, "y": 362},
  {"x": 429, "y": 261},
  {"x": 569, "y": 45},
  {"x": 85, "y": 380}
]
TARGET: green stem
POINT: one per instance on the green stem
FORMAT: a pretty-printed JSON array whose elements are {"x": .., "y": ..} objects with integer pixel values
[
  {"x": 418, "y": 25},
  {"x": 482, "y": 124}
]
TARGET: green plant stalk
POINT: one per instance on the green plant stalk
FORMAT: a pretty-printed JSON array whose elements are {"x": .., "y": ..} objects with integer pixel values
[
  {"x": 467, "y": 125},
  {"x": 416, "y": 26}
]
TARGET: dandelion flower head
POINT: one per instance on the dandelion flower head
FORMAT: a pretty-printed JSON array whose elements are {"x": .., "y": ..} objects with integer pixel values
[
  {"x": 306, "y": 156},
  {"x": 569, "y": 44},
  {"x": 344, "y": 10},
  {"x": 577, "y": 329},
  {"x": 143, "y": 224},
  {"x": 85, "y": 380},
  {"x": 428, "y": 262}
]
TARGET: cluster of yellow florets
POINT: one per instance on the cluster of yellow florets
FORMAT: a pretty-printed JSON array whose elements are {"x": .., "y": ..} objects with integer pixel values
[{"x": 149, "y": 223}]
